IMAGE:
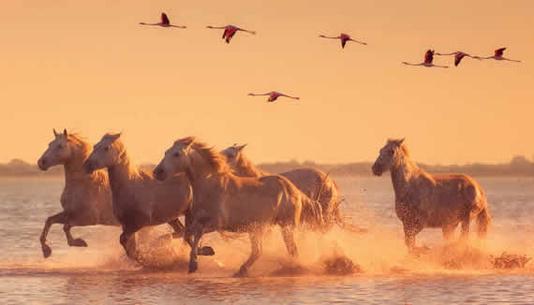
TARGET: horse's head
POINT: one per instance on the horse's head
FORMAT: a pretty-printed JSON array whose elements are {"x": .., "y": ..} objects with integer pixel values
[
  {"x": 177, "y": 159},
  {"x": 105, "y": 153},
  {"x": 233, "y": 154},
  {"x": 59, "y": 151},
  {"x": 389, "y": 155}
]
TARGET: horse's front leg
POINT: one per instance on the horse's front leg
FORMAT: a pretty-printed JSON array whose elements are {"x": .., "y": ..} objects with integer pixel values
[
  {"x": 193, "y": 255},
  {"x": 125, "y": 238},
  {"x": 188, "y": 237},
  {"x": 58, "y": 218},
  {"x": 256, "y": 244},
  {"x": 73, "y": 242},
  {"x": 178, "y": 228},
  {"x": 410, "y": 231}
]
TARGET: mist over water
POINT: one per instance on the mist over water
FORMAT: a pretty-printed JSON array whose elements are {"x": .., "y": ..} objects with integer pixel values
[{"x": 381, "y": 272}]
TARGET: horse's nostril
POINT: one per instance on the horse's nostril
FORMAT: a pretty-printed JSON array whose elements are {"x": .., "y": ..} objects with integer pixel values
[{"x": 41, "y": 163}]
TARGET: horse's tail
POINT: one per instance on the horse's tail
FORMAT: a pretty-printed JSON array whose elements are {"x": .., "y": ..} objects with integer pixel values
[
  {"x": 483, "y": 222},
  {"x": 342, "y": 223},
  {"x": 328, "y": 198},
  {"x": 312, "y": 212}
]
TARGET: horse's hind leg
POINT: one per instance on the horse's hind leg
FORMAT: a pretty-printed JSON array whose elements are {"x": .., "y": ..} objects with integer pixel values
[
  {"x": 289, "y": 240},
  {"x": 466, "y": 222},
  {"x": 73, "y": 242},
  {"x": 448, "y": 231},
  {"x": 58, "y": 218},
  {"x": 256, "y": 240}
]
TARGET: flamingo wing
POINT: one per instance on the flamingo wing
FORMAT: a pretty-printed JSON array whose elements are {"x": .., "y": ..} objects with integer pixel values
[
  {"x": 499, "y": 52},
  {"x": 458, "y": 58},
  {"x": 164, "y": 19}
]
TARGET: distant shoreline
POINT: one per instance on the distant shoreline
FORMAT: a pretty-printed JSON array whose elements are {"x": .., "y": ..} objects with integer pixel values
[{"x": 518, "y": 166}]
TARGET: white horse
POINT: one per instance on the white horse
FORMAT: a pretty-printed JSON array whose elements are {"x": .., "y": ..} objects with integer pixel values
[
  {"x": 139, "y": 200},
  {"x": 86, "y": 198}
]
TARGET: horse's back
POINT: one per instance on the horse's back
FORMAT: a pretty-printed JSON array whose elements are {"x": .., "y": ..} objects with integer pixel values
[
  {"x": 460, "y": 186},
  {"x": 307, "y": 180},
  {"x": 317, "y": 185},
  {"x": 290, "y": 208}
]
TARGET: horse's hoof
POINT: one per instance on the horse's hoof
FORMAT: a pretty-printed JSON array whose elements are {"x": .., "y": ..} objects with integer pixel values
[
  {"x": 47, "y": 251},
  {"x": 193, "y": 266},
  {"x": 78, "y": 242},
  {"x": 206, "y": 251},
  {"x": 241, "y": 273}
]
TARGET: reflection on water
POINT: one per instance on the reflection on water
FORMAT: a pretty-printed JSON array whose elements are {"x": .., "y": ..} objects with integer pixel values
[
  {"x": 172, "y": 288},
  {"x": 100, "y": 274}
]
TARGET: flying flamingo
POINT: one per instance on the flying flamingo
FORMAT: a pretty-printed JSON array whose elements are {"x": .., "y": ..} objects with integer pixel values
[
  {"x": 165, "y": 22},
  {"x": 229, "y": 31},
  {"x": 499, "y": 56},
  {"x": 458, "y": 56},
  {"x": 273, "y": 96},
  {"x": 429, "y": 57},
  {"x": 343, "y": 38}
]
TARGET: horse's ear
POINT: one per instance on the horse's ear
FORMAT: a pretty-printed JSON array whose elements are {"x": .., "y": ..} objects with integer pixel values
[
  {"x": 55, "y": 132},
  {"x": 65, "y": 132},
  {"x": 401, "y": 141},
  {"x": 187, "y": 142},
  {"x": 114, "y": 137},
  {"x": 240, "y": 147}
]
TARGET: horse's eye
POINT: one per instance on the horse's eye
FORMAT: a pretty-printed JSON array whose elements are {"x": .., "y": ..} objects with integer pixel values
[
  {"x": 106, "y": 148},
  {"x": 60, "y": 146},
  {"x": 390, "y": 152},
  {"x": 176, "y": 154}
]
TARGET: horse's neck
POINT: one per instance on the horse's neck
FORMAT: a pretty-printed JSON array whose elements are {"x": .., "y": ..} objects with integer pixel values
[
  {"x": 246, "y": 168},
  {"x": 402, "y": 174},
  {"x": 121, "y": 174},
  {"x": 202, "y": 177},
  {"x": 74, "y": 172}
]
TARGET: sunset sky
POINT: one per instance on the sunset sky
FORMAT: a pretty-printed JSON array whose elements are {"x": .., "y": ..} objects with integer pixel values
[{"x": 88, "y": 66}]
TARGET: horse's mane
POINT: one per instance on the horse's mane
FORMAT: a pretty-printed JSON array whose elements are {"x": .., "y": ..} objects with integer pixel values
[
  {"x": 84, "y": 147},
  {"x": 405, "y": 150},
  {"x": 245, "y": 167},
  {"x": 402, "y": 146},
  {"x": 213, "y": 157},
  {"x": 79, "y": 141}
]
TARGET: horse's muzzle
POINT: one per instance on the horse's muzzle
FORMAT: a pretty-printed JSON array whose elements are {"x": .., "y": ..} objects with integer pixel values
[
  {"x": 377, "y": 170},
  {"x": 42, "y": 163},
  {"x": 159, "y": 173}
]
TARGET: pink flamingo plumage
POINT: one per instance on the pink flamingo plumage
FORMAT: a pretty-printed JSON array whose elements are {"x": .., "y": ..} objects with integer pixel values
[
  {"x": 344, "y": 38},
  {"x": 499, "y": 55},
  {"x": 273, "y": 96},
  {"x": 230, "y": 31},
  {"x": 458, "y": 56},
  {"x": 429, "y": 58},
  {"x": 165, "y": 22}
]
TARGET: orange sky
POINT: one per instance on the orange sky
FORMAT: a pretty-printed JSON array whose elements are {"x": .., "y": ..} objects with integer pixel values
[{"x": 88, "y": 66}]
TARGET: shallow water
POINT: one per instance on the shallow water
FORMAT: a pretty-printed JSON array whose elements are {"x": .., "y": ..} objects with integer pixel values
[{"x": 100, "y": 274}]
